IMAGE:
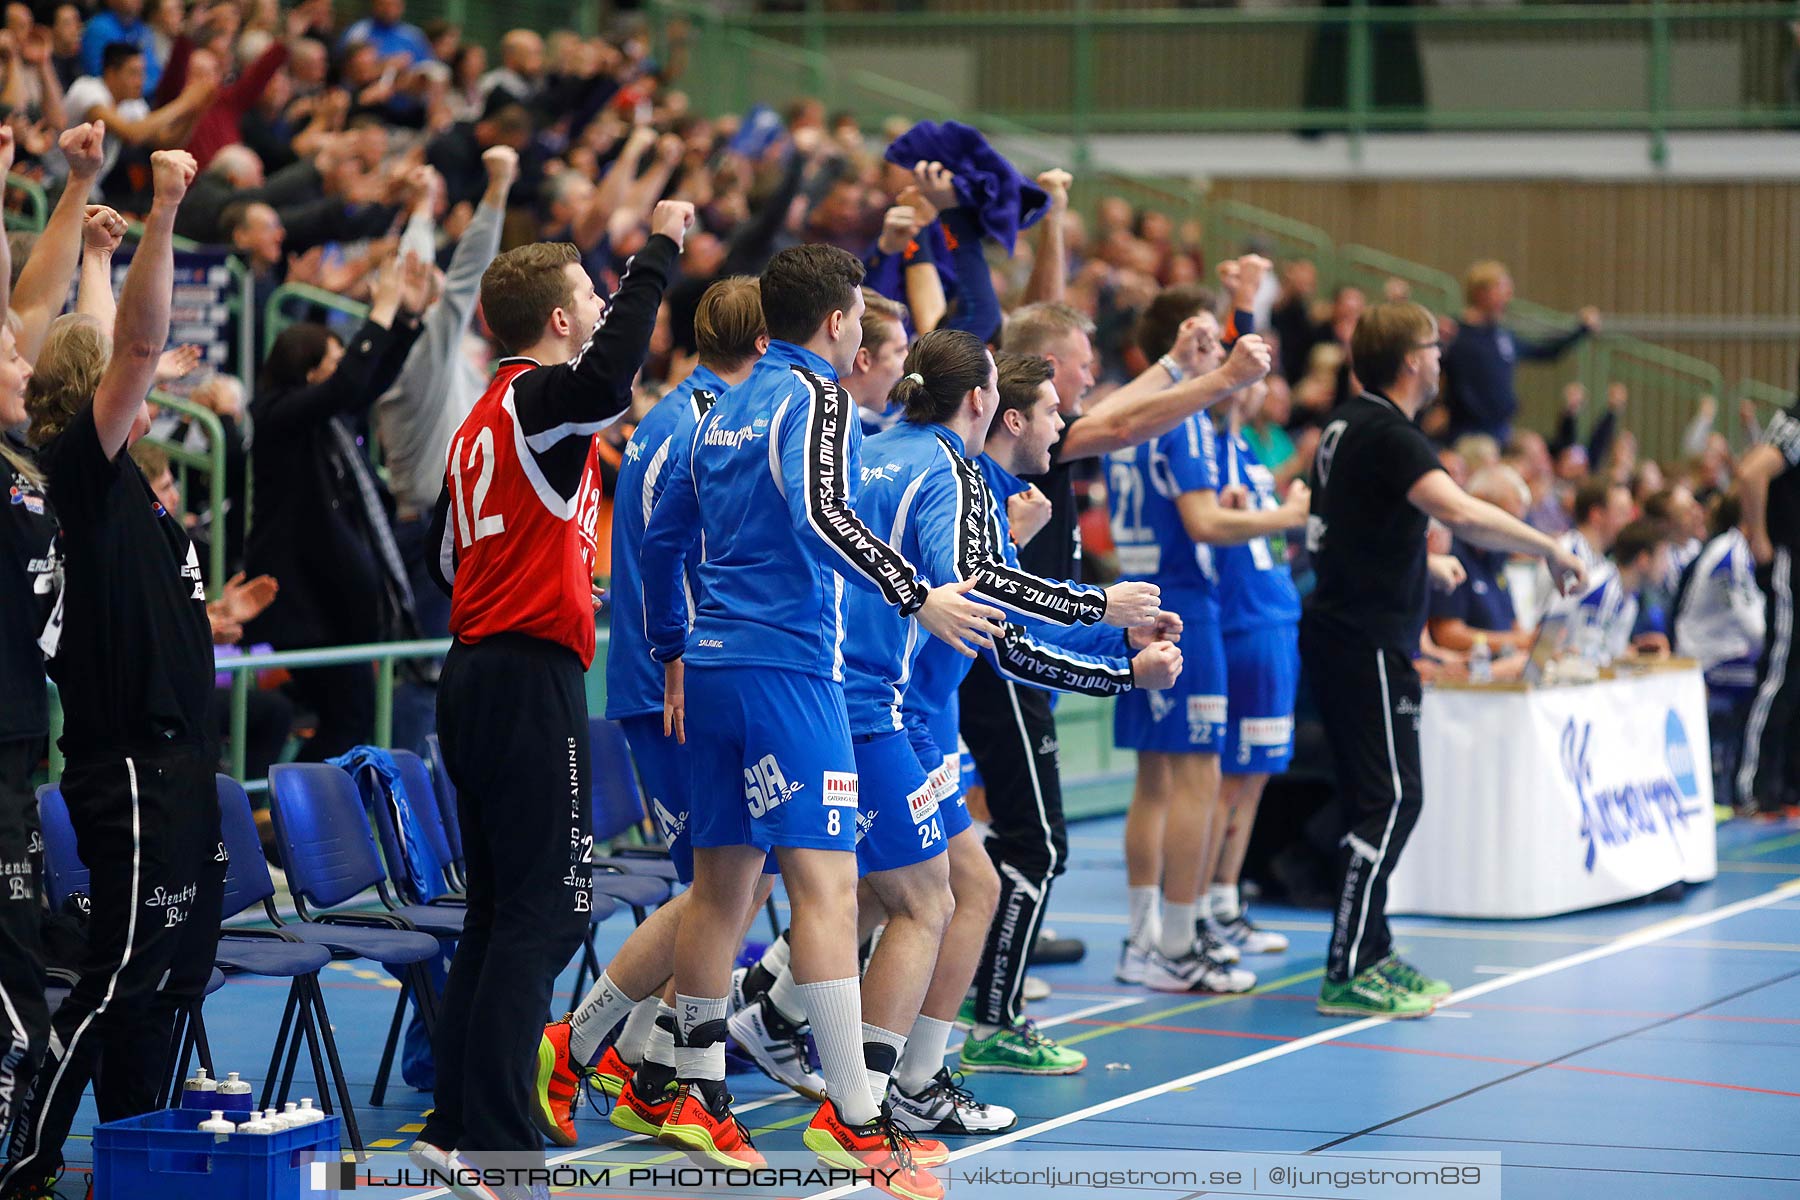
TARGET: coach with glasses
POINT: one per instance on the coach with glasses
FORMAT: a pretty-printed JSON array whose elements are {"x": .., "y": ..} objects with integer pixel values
[{"x": 1376, "y": 482}]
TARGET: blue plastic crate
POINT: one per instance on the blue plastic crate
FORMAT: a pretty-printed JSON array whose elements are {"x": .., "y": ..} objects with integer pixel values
[{"x": 163, "y": 1156}]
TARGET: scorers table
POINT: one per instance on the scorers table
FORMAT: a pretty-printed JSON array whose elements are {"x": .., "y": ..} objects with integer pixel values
[{"x": 1549, "y": 800}]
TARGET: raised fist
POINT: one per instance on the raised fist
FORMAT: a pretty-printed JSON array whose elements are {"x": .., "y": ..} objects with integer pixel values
[
  {"x": 84, "y": 148},
  {"x": 502, "y": 163},
  {"x": 1248, "y": 363},
  {"x": 172, "y": 171},
  {"x": 672, "y": 219}
]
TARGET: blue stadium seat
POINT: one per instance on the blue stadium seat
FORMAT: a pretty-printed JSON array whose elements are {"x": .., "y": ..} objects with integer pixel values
[{"x": 329, "y": 855}]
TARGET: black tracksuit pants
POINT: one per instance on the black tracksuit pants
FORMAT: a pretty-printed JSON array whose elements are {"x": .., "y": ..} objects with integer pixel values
[
  {"x": 1769, "y": 770},
  {"x": 1368, "y": 699},
  {"x": 1011, "y": 733},
  {"x": 24, "y": 1018},
  {"x": 147, "y": 828},
  {"x": 512, "y": 720}
]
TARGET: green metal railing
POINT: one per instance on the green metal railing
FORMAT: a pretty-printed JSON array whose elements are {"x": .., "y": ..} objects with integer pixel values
[
  {"x": 211, "y": 462},
  {"x": 1079, "y": 68},
  {"x": 37, "y": 205},
  {"x": 276, "y": 315}
]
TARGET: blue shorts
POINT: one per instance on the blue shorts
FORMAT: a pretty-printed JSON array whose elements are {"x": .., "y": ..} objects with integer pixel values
[
  {"x": 897, "y": 821},
  {"x": 1262, "y": 671},
  {"x": 662, "y": 770},
  {"x": 769, "y": 760},
  {"x": 1188, "y": 718},
  {"x": 935, "y": 739}
]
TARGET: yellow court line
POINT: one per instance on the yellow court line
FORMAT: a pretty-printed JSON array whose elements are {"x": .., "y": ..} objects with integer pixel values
[
  {"x": 1157, "y": 1018},
  {"x": 1780, "y": 843}
]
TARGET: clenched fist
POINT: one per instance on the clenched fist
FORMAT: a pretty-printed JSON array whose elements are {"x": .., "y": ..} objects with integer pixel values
[
  {"x": 672, "y": 219},
  {"x": 1249, "y": 362},
  {"x": 1157, "y": 666},
  {"x": 172, "y": 171}
]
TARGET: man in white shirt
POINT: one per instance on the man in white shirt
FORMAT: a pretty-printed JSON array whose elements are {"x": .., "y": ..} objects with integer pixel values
[
  {"x": 115, "y": 96},
  {"x": 1602, "y": 509},
  {"x": 1601, "y": 616}
]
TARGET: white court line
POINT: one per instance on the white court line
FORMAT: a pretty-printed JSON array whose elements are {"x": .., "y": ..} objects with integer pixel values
[
  {"x": 1497, "y": 970},
  {"x": 1112, "y": 1004},
  {"x": 1631, "y": 941}
]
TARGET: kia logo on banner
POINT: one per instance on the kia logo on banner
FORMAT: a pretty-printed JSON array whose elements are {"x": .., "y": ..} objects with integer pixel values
[{"x": 1616, "y": 812}]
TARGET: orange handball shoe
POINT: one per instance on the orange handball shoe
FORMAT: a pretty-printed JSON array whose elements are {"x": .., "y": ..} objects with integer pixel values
[
  {"x": 880, "y": 1146},
  {"x": 710, "y": 1129},
  {"x": 559, "y": 1079}
]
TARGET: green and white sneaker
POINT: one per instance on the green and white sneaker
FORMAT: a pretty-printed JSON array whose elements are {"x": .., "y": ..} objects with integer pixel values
[
  {"x": 965, "y": 1016},
  {"x": 1371, "y": 994},
  {"x": 1407, "y": 977},
  {"x": 1021, "y": 1050}
]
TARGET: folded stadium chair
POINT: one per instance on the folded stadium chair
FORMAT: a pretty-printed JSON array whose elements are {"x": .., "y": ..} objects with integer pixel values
[
  {"x": 66, "y": 876},
  {"x": 279, "y": 953},
  {"x": 446, "y": 798},
  {"x": 329, "y": 854},
  {"x": 430, "y": 822}
]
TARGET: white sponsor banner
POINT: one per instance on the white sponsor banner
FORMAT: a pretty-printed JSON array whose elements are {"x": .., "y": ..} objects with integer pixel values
[{"x": 1555, "y": 800}]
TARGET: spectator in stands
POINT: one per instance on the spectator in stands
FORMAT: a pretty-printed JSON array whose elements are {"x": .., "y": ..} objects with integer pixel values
[
  {"x": 521, "y": 71},
  {"x": 218, "y": 125},
  {"x": 1482, "y": 603},
  {"x": 1292, "y": 319},
  {"x": 1480, "y": 360},
  {"x": 32, "y": 92},
  {"x": 436, "y": 388},
  {"x": 1603, "y": 438},
  {"x": 119, "y": 23},
  {"x": 1602, "y": 620},
  {"x": 115, "y": 96},
  {"x": 1602, "y": 509},
  {"x": 1529, "y": 454},
  {"x": 385, "y": 28},
  {"x": 1719, "y": 620},
  {"x": 321, "y": 522},
  {"x": 66, "y": 31},
  {"x": 456, "y": 153}
]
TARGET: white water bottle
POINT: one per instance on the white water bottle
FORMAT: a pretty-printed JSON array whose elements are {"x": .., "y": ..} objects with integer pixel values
[
  {"x": 256, "y": 1124},
  {"x": 1481, "y": 661},
  {"x": 218, "y": 1123},
  {"x": 307, "y": 1113}
]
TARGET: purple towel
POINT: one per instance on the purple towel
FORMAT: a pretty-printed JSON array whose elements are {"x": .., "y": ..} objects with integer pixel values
[{"x": 1004, "y": 202}]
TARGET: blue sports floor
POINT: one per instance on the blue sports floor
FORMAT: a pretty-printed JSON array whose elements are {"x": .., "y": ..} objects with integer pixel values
[{"x": 1645, "y": 1051}]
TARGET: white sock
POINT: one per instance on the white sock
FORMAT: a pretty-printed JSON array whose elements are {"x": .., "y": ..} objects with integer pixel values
[
  {"x": 834, "y": 1007},
  {"x": 1226, "y": 907},
  {"x": 775, "y": 958},
  {"x": 874, "y": 1035},
  {"x": 638, "y": 1027},
  {"x": 707, "y": 1061},
  {"x": 982, "y": 1033},
  {"x": 785, "y": 997},
  {"x": 923, "y": 1057},
  {"x": 604, "y": 1006},
  {"x": 660, "y": 1047},
  {"x": 1146, "y": 917},
  {"x": 1177, "y": 931}
]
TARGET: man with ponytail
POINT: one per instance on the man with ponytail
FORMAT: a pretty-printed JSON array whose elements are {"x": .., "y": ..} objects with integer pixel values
[{"x": 925, "y": 480}]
